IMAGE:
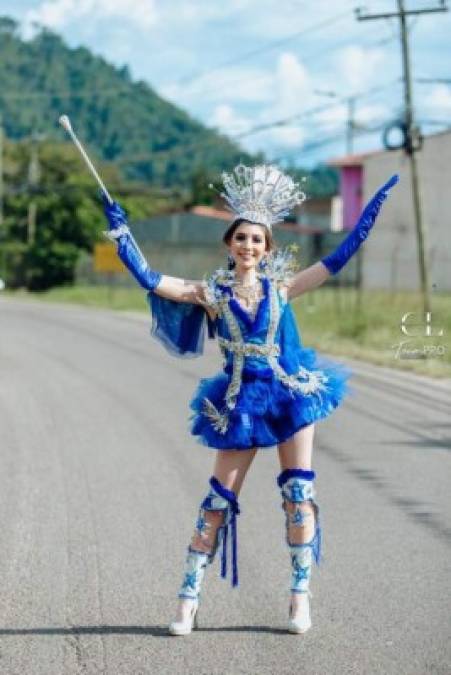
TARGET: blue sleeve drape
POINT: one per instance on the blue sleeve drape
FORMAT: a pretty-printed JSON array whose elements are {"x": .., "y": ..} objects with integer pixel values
[{"x": 179, "y": 326}]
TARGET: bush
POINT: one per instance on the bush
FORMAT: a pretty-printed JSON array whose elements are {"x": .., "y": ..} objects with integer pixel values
[
  {"x": 50, "y": 265},
  {"x": 13, "y": 263}
]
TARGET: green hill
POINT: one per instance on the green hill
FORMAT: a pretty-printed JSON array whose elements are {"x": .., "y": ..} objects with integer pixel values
[{"x": 123, "y": 121}]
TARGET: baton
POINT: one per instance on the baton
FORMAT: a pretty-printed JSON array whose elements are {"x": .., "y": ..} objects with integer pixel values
[{"x": 65, "y": 123}]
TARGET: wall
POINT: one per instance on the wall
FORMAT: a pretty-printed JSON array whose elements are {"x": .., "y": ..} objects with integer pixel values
[
  {"x": 351, "y": 192},
  {"x": 190, "y": 246},
  {"x": 390, "y": 258}
]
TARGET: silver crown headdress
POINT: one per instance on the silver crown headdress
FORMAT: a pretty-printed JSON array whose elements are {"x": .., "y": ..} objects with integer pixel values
[{"x": 261, "y": 194}]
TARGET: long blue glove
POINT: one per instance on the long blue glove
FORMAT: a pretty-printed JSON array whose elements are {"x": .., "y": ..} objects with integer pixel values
[
  {"x": 127, "y": 249},
  {"x": 338, "y": 259}
]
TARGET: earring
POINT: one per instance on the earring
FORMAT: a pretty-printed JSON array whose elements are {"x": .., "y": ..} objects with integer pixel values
[{"x": 230, "y": 262}]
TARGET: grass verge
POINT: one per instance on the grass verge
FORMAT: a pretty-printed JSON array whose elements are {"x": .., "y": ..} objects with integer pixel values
[{"x": 330, "y": 320}]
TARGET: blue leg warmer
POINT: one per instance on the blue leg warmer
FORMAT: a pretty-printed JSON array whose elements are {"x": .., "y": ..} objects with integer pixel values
[{"x": 297, "y": 487}]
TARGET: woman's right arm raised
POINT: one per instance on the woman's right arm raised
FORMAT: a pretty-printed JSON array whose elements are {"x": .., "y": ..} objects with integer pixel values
[{"x": 173, "y": 288}]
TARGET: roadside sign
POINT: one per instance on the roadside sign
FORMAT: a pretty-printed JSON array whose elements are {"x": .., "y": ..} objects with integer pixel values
[{"x": 106, "y": 259}]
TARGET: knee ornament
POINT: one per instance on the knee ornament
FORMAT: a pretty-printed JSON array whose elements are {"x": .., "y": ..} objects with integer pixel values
[{"x": 297, "y": 491}]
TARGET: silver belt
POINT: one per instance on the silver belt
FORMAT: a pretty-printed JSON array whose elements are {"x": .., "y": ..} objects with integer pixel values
[{"x": 249, "y": 348}]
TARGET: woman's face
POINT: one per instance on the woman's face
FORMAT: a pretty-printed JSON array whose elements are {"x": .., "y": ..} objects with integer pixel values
[{"x": 248, "y": 245}]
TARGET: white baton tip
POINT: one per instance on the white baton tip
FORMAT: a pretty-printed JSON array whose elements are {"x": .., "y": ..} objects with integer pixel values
[{"x": 65, "y": 122}]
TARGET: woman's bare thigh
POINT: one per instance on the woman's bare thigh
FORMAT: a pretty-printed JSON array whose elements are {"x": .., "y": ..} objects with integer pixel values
[
  {"x": 231, "y": 467},
  {"x": 296, "y": 452}
]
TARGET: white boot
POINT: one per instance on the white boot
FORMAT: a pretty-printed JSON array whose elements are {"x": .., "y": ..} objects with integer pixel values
[
  {"x": 196, "y": 562},
  {"x": 189, "y": 620},
  {"x": 219, "y": 499},
  {"x": 299, "y": 619},
  {"x": 297, "y": 488}
]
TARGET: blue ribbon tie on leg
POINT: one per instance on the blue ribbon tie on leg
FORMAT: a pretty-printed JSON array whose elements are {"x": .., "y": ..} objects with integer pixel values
[{"x": 234, "y": 510}]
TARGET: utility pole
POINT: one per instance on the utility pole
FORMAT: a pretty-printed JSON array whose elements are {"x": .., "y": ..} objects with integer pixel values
[
  {"x": 412, "y": 134},
  {"x": 350, "y": 124},
  {"x": 34, "y": 175}
]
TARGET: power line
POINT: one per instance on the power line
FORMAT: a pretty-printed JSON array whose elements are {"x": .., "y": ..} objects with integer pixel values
[
  {"x": 315, "y": 56},
  {"x": 164, "y": 154},
  {"x": 312, "y": 111},
  {"x": 265, "y": 48},
  {"x": 314, "y": 145},
  {"x": 433, "y": 80},
  {"x": 196, "y": 145},
  {"x": 240, "y": 81}
]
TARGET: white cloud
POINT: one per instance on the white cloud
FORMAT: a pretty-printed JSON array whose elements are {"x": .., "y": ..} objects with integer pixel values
[
  {"x": 202, "y": 11},
  {"x": 287, "y": 136},
  {"x": 292, "y": 84},
  {"x": 228, "y": 121},
  {"x": 278, "y": 92},
  {"x": 247, "y": 85},
  {"x": 333, "y": 117},
  {"x": 438, "y": 100},
  {"x": 356, "y": 65},
  {"x": 275, "y": 95},
  {"x": 275, "y": 21},
  {"x": 372, "y": 114},
  {"x": 57, "y": 14}
]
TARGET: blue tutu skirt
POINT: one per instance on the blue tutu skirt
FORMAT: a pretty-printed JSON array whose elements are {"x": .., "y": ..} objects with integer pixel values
[{"x": 267, "y": 412}]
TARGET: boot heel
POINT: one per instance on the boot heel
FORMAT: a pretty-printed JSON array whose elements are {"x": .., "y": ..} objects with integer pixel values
[
  {"x": 185, "y": 627},
  {"x": 196, "y": 619}
]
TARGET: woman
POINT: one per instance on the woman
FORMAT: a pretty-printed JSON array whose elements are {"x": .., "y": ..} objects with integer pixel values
[{"x": 271, "y": 391}]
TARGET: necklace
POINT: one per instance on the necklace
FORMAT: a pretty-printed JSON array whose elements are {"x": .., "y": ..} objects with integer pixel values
[{"x": 250, "y": 294}]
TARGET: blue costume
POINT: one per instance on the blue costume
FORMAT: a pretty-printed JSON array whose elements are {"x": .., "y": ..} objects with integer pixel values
[{"x": 271, "y": 385}]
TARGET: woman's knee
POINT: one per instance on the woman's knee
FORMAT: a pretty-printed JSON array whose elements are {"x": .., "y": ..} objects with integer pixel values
[
  {"x": 300, "y": 521},
  {"x": 217, "y": 509},
  {"x": 301, "y": 511},
  {"x": 205, "y": 535}
]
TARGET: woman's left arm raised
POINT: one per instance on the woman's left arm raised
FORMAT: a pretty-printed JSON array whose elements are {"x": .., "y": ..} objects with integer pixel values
[
  {"x": 307, "y": 280},
  {"x": 316, "y": 274}
]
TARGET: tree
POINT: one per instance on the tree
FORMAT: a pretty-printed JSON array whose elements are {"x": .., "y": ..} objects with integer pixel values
[{"x": 67, "y": 213}]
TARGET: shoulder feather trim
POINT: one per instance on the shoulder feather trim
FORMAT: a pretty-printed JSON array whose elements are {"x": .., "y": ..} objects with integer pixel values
[
  {"x": 214, "y": 294},
  {"x": 281, "y": 265}
]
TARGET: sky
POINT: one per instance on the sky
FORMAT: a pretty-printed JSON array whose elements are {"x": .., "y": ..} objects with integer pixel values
[{"x": 243, "y": 65}]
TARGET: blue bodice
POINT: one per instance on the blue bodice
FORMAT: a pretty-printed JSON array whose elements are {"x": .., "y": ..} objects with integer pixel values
[
  {"x": 265, "y": 347},
  {"x": 273, "y": 324}
]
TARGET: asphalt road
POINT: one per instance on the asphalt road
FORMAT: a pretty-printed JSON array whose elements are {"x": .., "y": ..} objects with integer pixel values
[{"x": 99, "y": 486}]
